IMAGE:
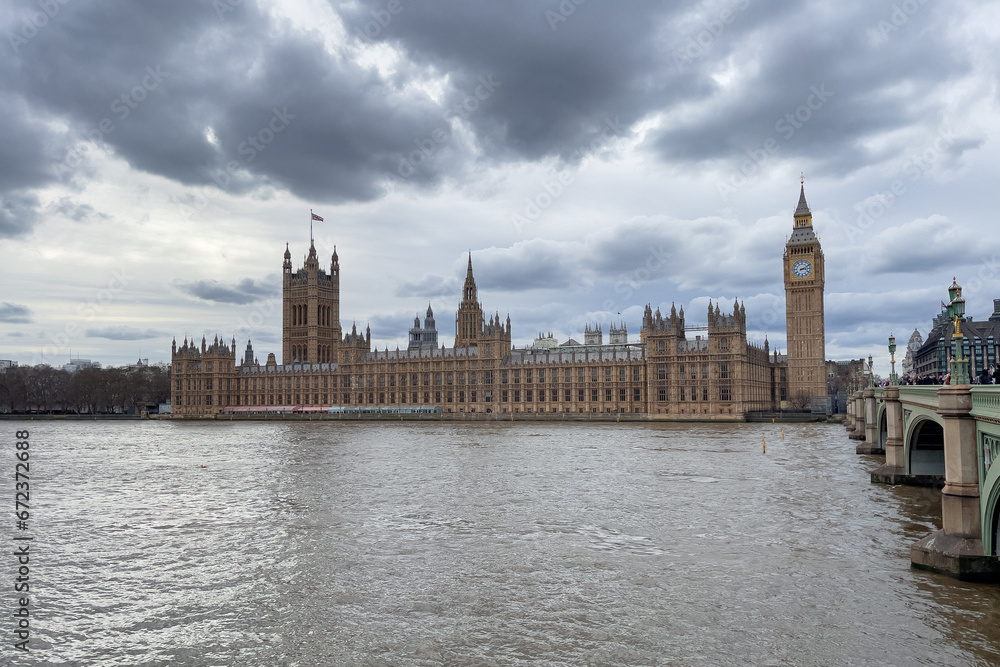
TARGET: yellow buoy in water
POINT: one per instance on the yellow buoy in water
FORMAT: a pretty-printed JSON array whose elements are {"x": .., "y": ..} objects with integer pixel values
[{"x": 203, "y": 465}]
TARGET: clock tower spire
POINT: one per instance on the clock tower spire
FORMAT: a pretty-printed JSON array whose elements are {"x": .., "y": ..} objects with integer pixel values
[{"x": 805, "y": 277}]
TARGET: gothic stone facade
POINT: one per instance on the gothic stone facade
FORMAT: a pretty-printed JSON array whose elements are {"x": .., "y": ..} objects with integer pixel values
[{"x": 672, "y": 373}]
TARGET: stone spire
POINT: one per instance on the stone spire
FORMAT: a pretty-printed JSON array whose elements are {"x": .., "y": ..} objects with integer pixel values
[
  {"x": 803, "y": 208},
  {"x": 469, "y": 291}
]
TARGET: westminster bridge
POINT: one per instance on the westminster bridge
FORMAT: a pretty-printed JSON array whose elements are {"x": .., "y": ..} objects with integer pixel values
[{"x": 946, "y": 436}]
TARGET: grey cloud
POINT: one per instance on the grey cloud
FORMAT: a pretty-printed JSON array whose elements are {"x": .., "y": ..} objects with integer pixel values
[
  {"x": 287, "y": 114},
  {"x": 246, "y": 290},
  {"x": 430, "y": 286},
  {"x": 14, "y": 313},
  {"x": 324, "y": 127},
  {"x": 18, "y": 212},
  {"x": 79, "y": 212},
  {"x": 122, "y": 332}
]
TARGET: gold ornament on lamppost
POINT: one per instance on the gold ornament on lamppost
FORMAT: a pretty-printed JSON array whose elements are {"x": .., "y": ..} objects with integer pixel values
[
  {"x": 893, "y": 380},
  {"x": 956, "y": 311}
]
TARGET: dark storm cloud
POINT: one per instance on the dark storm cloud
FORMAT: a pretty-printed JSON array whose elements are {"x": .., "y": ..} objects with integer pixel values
[
  {"x": 18, "y": 212},
  {"x": 818, "y": 93},
  {"x": 122, "y": 332},
  {"x": 168, "y": 76},
  {"x": 25, "y": 160},
  {"x": 817, "y": 81},
  {"x": 246, "y": 290},
  {"x": 560, "y": 81},
  {"x": 242, "y": 101},
  {"x": 14, "y": 312}
]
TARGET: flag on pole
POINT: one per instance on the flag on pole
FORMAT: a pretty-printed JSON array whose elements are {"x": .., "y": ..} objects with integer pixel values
[{"x": 316, "y": 217}]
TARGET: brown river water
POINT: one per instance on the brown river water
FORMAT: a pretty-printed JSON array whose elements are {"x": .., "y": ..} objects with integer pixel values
[{"x": 478, "y": 544}]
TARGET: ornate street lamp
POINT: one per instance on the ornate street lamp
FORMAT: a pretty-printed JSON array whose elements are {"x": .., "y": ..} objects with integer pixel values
[
  {"x": 871, "y": 375},
  {"x": 956, "y": 311},
  {"x": 893, "y": 380}
]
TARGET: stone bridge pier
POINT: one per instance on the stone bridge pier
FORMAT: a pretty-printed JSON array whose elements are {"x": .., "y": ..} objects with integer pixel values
[
  {"x": 872, "y": 441},
  {"x": 856, "y": 425},
  {"x": 894, "y": 470},
  {"x": 957, "y": 549}
]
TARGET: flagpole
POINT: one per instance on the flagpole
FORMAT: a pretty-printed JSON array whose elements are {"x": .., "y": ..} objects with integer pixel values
[{"x": 310, "y": 226}]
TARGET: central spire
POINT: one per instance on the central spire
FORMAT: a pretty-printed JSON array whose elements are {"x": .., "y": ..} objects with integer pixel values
[
  {"x": 803, "y": 208},
  {"x": 469, "y": 290}
]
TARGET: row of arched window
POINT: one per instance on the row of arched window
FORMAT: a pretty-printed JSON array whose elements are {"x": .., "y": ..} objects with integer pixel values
[
  {"x": 300, "y": 315},
  {"x": 324, "y": 352}
]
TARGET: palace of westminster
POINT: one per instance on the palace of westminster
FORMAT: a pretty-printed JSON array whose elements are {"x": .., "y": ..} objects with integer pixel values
[{"x": 716, "y": 375}]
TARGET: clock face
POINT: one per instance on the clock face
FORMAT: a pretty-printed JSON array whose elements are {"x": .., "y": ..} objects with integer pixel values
[{"x": 802, "y": 269}]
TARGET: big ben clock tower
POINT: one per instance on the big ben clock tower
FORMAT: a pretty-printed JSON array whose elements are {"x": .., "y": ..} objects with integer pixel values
[{"x": 805, "y": 276}]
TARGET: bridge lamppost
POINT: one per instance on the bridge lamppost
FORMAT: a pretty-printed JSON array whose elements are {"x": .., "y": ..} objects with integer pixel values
[
  {"x": 893, "y": 380},
  {"x": 871, "y": 375},
  {"x": 956, "y": 310}
]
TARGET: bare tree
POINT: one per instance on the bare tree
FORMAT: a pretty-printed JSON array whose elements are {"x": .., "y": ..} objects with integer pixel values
[{"x": 800, "y": 401}]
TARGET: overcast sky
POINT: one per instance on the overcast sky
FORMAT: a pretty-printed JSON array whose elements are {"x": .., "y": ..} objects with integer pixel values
[{"x": 593, "y": 156}]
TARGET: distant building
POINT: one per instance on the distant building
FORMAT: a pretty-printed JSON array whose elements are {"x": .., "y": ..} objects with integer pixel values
[
  {"x": 912, "y": 347},
  {"x": 75, "y": 365},
  {"x": 424, "y": 337},
  {"x": 979, "y": 344},
  {"x": 6, "y": 364}
]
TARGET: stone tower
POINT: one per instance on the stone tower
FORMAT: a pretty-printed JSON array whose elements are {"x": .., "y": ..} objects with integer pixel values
[
  {"x": 469, "y": 319},
  {"x": 471, "y": 327},
  {"x": 310, "y": 330},
  {"x": 805, "y": 275}
]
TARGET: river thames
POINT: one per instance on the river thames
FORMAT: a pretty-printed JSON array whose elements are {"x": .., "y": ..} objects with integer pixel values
[{"x": 309, "y": 543}]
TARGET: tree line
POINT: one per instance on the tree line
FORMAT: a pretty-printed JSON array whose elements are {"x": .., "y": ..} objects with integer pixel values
[{"x": 43, "y": 388}]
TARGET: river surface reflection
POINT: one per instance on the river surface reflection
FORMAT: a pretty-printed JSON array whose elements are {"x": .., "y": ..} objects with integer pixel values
[{"x": 482, "y": 544}]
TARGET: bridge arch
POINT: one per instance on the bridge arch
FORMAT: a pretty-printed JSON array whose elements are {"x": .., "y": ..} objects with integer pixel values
[
  {"x": 988, "y": 451},
  {"x": 883, "y": 424},
  {"x": 923, "y": 445}
]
